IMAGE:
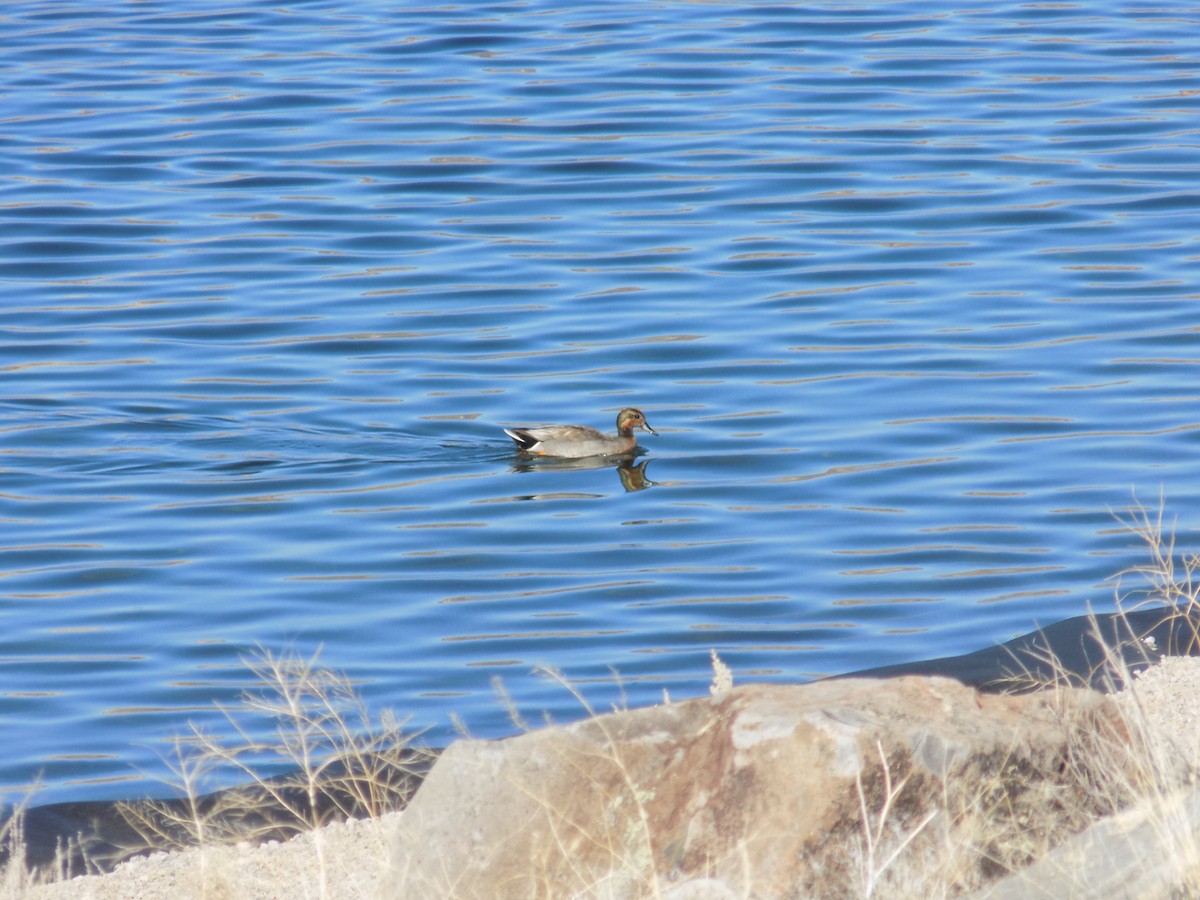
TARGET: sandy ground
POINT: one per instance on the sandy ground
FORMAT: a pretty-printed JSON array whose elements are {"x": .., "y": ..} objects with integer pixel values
[
  {"x": 349, "y": 860},
  {"x": 351, "y": 857},
  {"x": 1167, "y": 693}
]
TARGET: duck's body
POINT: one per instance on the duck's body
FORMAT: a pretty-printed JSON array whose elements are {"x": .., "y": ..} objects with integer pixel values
[{"x": 578, "y": 441}]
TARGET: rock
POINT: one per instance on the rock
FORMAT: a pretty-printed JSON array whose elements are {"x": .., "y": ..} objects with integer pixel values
[
  {"x": 1144, "y": 853},
  {"x": 701, "y": 889},
  {"x": 758, "y": 793}
]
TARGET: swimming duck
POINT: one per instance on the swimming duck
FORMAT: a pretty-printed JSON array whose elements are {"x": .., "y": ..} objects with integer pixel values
[{"x": 577, "y": 441}]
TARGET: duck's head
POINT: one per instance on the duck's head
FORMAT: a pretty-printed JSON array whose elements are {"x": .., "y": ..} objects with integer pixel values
[{"x": 630, "y": 418}]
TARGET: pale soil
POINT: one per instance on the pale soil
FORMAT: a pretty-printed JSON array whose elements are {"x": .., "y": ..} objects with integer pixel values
[
  {"x": 354, "y": 867},
  {"x": 1167, "y": 692},
  {"x": 352, "y": 855}
]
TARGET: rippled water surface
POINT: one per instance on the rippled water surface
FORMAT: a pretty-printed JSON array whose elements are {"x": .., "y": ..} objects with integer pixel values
[{"x": 908, "y": 290}]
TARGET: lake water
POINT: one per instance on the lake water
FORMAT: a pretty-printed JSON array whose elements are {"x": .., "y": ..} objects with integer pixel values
[{"x": 906, "y": 288}]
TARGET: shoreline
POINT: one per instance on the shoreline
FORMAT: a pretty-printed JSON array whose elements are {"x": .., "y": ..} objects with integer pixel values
[{"x": 358, "y": 853}]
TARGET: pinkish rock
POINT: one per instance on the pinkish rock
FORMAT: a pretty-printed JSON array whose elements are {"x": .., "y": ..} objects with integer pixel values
[{"x": 757, "y": 793}]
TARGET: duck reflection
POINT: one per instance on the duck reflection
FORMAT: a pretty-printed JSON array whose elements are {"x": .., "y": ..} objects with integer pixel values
[{"x": 632, "y": 474}]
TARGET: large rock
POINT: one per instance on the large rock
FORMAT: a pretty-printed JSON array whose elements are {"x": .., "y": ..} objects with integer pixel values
[{"x": 758, "y": 793}]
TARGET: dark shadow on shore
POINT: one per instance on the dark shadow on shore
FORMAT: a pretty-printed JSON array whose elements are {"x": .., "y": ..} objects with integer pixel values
[{"x": 1079, "y": 651}]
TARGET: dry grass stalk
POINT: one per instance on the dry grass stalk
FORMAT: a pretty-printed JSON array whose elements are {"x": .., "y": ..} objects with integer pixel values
[
  {"x": 879, "y": 849},
  {"x": 632, "y": 854},
  {"x": 1169, "y": 574}
]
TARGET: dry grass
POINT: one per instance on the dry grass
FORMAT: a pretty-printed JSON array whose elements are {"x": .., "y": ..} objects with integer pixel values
[
  {"x": 15, "y": 879},
  {"x": 340, "y": 764},
  {"x": 1168, "y": 576},
  {"x": 881, "y": 846},
  {"x": 910, "y": 834}
]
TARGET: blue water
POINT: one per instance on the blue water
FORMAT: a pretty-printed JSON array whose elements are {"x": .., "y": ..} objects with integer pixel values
[{"x": 907, "y": 289}]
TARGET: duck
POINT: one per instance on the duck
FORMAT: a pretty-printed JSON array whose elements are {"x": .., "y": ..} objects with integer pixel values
[{"x": 579, "y": 441}]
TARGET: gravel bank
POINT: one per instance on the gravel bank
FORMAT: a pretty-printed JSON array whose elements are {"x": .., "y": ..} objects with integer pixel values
[{"x": 350, "y": 854}]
